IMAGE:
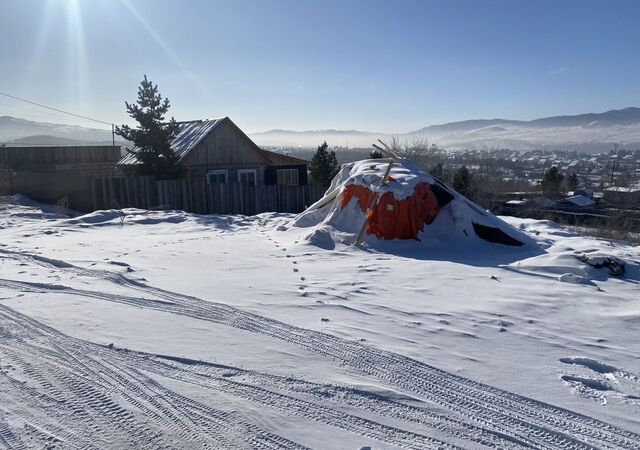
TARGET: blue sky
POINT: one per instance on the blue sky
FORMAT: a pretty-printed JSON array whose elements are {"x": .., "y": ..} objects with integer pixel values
[{"x": 390, "y": 66}]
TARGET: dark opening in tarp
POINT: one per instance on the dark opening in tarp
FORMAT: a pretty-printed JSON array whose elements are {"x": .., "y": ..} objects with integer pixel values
[{"x": 495, "y": 235}]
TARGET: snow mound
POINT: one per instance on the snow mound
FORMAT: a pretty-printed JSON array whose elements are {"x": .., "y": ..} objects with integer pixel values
[
  {"x": 111, "y": 217},
  {"x": 20, "y": 206},
  {"x": 412, "y": 205},
  {"x": 575, "y": 279}
]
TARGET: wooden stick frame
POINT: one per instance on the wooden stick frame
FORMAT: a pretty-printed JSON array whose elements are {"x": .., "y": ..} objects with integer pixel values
[{"x": 394, "y": 159}]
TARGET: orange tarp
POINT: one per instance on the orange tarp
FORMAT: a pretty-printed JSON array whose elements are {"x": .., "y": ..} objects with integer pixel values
[{"x": 395, "y": 219}]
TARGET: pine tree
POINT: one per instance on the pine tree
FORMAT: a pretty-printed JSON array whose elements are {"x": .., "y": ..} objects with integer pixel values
[
  {"x": 437, "y": 171},
  {"x": 463, "y": 182},
  {"x": 551, "y": 182},
  {"x": 324, "y": 165},
  {"x": 572, "y": 182},
  {"x": 152, "y": 137}
]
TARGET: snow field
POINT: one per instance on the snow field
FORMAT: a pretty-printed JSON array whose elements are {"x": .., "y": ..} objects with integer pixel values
[{"x": 177, "y": 330}]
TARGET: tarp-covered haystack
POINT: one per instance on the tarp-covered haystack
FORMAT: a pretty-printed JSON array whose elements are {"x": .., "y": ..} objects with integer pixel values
[{"x": 362, "y": 204}]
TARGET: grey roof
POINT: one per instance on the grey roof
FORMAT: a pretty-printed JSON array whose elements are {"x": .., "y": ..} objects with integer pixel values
[
  {"x": 580, "y": 200},
  {"x": 190, "y": 134},
  {"x": 276, "y": 158}
]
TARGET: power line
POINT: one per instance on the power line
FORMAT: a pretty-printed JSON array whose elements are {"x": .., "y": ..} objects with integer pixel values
[{"x": 55, "y": 109}]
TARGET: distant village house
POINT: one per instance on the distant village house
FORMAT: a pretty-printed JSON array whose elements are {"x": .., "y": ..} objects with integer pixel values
[{"x": 627, "y": 196}]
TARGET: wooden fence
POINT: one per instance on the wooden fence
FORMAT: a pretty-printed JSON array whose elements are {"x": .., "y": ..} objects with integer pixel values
[
  {"x": 195, "y": 195},
  {"x": 124, "y": 192}
]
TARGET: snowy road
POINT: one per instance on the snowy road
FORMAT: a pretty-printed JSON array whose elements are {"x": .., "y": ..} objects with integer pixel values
[{"x": 60, "y": 389}]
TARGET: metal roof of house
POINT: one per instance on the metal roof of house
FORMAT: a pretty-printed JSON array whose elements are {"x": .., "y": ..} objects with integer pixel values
[
  {"x": 580, "y": 200},
  {"x": 190, "y": 134},
  {"x": 282, "y": 159}
]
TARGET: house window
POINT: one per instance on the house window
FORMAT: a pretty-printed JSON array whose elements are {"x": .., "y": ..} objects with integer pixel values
[
  {"x": 287, "y": 177},
  {"x": 247, "y": 176},
  {"x": 217, "y": 176}
]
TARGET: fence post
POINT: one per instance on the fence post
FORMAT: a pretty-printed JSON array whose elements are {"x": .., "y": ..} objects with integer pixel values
[
  {"x": 185, "y": 195},
  {"x": 94, "y": 193},
  {"x": 127, "y": 192},
  {"x": 136, "y": 193},
  {"x": 160, "y": 193}
]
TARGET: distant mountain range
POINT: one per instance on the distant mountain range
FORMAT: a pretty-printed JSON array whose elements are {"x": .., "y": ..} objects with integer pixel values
[
  {"x": 16, "y": 131},
  {"x": 583, "y": 132}
]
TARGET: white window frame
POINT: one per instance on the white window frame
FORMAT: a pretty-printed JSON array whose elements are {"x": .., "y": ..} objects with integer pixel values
[
  {"x": 288, "y": 172},
  {"x": 253, "y": 171},
  {"x": 224, "y": 172}
]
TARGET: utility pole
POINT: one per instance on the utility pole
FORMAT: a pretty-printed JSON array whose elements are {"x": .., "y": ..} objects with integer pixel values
[
  {"x": 113, "y": 135},
  {"x": 613, "y": 169}
]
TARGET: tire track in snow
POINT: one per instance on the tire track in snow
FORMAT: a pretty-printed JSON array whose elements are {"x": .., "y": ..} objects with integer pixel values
[
  {"x": 374, "y": 362},
  {"x": 312, "y": 411},
  {"x": 112, "y": 364},
  {"x": 60, "y": 384},
  {"x": 253, "y": 384},
  {"x": 8, "y": 439},
  {"x": 531, "y": 421}
]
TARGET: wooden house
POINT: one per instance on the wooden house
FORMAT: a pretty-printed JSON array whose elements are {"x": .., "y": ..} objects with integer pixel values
[
  {"x": 222, "y": 153},
  {"x": 623, "y": 196}
]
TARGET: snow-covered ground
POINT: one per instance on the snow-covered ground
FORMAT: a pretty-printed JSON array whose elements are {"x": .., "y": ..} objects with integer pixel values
[{"x": 173, "y": 330}]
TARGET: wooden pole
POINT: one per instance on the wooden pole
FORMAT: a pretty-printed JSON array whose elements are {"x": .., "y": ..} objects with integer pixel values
[{"x": 388, "y": 150}]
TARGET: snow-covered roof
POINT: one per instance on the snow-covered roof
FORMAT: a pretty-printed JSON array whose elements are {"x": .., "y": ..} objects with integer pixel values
[
  {"x": 623, "y": 189},
  {"x": 190, "y": 134},
  {"x": 545, "y": 202},
  {"x": 587, "y": 192},
  {"x": 580, "y": 200}
]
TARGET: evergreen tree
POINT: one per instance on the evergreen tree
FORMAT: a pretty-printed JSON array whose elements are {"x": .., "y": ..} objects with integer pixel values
[
  {"x": 376, "y": 154},
  {"x": 152, "y": 137},
  {"x": 572, "y": 182},
  {"x": 551, "y": 182},
  {"x": 324, "y": 165},
  {"x": 437, "y": 171},
  {"x": 463, "y": 182}
]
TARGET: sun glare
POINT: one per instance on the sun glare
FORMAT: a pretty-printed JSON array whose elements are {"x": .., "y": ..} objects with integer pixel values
[
  {"x": 76, "y": 52},
  {"x": 65, "y": 15},
  {"x": 165, "y": 47},
  {"x": 70, "y": 16}
]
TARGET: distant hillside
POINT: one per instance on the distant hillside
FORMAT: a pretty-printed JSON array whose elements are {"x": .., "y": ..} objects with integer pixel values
[
  {"x": 615, "y": 117},
  {"x": 583, "y": 132},
  {"x": 313, "y": 138},
  {"x": 19, "y": 131},
  {"x": 321, "y": 132},
  {"x": 44, "y": 139}
]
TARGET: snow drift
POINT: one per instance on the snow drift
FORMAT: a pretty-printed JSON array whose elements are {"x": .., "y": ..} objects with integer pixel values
[{"x": 411, "y": 205}]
